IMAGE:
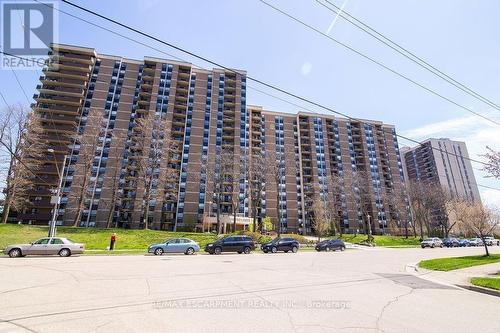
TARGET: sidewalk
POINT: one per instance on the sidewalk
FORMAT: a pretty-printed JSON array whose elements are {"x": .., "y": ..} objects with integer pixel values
[{"x": 459, "y": 277}]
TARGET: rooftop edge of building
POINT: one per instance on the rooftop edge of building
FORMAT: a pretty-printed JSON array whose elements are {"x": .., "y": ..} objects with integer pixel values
[
  {"x": 313, "y": 114},
  {"x": 91, "y": 51}
]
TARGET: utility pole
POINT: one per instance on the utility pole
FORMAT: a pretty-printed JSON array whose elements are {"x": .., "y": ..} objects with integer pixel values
[
  {"x": 368, "y": 218},
  {"x": 56, "y": 199}
]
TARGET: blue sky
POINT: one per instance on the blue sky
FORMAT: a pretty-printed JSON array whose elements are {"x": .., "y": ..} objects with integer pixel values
[{"x": 459, "y": 37}]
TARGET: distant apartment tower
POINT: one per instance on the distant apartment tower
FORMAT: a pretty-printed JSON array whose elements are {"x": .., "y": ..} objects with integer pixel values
[
  {"x": 317, "y": 147},
  {"x": 442, "y": 162},
  {"x": 201, "y": 111}
]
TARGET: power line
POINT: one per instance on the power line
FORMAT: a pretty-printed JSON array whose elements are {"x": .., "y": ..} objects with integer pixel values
[
  {"x": 271, "y": 86},
  {"x": 378, "y": 63},
  {"x": 20, "y": 86},
  {"x": 301, "y": 107},
  {"x": 405, "y": 52},
  {"x": 226, "y": 68},
  {"x": 3, "y": 99}
]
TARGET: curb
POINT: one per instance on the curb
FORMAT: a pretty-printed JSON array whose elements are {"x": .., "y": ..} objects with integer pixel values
[{"x": 482, "y": 290}]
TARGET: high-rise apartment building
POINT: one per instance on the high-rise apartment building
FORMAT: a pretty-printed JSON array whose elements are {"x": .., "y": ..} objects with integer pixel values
[
  {"x": 163, "y": 128},
  {"x": 319, "y": 151},
  {"x": 197, "y": 112},
  {"x": 444, "y": 163}
]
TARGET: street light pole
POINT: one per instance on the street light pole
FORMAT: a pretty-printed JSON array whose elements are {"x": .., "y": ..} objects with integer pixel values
[
  {"x": 368, "y": 217},
  {"x": 57, "y": 198}
]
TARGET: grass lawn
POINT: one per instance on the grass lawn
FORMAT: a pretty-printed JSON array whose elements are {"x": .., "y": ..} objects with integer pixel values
[
  {"x": 390, "y": 241},
  {"x": 449, "y": 264},
  {"x": 97, "y": 239},
  {"x": 492, "y": 283}
]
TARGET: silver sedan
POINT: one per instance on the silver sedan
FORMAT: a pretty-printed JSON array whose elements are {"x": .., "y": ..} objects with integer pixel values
[
  {"x": 175, "y": 245},
  {"x": 46, "y": 246}
]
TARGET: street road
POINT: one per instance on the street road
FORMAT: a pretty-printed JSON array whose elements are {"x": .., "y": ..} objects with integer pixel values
[{"x": 371, "y": 290}]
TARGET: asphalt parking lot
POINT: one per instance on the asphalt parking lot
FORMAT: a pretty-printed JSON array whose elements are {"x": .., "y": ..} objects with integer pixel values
[{"x": 353, "y": 291}]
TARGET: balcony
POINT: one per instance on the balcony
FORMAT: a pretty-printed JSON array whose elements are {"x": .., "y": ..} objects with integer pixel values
[
  {"x": 58, "y": 83},
  {"x": 58, "y": 101},
  {"x": 71, "y": 68},
  {"x": 51, "y": 91},
  {"x": 73, "y": 76},
  {"x": 58, "y": 57}
]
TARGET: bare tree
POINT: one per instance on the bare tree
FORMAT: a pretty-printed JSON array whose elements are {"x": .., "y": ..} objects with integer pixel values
[
  {"x": 235, "y": 183},
  {"x": 493, "y": 163},
  {"x": 426, "y": 203},
  {"x": 22, "y": 152},
  {"x": 114, "y": 174},
  {"x": 276, "y": 164},
  {"x": 361, "y": 185},
  {"x": 223, "y": 176},
  {"x": 397, "y": 201},
  {"x": 333, "y": 200},
  {"x": 89, "y": 140},
  {"x": 257, "y": 181},
  {"x": 476, "y": 219},
  {"x": 320, "y": 217},
  {"x": 154, "y": 149}
]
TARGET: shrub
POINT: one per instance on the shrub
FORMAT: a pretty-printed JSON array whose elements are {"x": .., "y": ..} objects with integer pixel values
[
  {"x": 299, "y": 238},
  {"x": 264, "y": 239}
]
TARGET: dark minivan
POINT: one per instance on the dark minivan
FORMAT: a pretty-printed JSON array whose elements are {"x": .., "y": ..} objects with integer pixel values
[
  {"x": 240, "y": 244},
  {"x": 281, "y": 244}
]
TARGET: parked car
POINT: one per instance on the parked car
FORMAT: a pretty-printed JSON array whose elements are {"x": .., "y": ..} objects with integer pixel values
[
  {"x": 281, "y": 244},
  {"x": 451, "y": 242},
  {"x": 464, "y": 242},
  {"x": 240, "y": 244},
  {"x": 46, "y": 246},
  {"x": 175, "y": 245},
  {"x": 476, "y": 242},
  {"x": 490, "y": 241},
  {"x": 330, "y": 245},
  {"x": 431, "y": 242}
]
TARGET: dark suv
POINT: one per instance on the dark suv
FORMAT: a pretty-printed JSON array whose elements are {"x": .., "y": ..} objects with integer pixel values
[
  {"x": 281, "y": 244},
  {"x": 240, "y": 244},
  {"x": 451, "y": 242},
  {"x": 330, "y": 244}
]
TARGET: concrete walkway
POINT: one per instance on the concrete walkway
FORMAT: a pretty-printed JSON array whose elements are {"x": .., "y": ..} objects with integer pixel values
[{"x": 458, "y": 277}]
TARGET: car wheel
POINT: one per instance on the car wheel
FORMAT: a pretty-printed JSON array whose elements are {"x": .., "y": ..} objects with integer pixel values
[
  {"x": 432, "y": 246},
  {"x": 239, "y": 252},
  {"x": 246, "y": 250},
  {"x": 265, "y": 251},
  {"x": 158, "y": 251},
  {"x": 217, "y": 250},
  {"x": 274, "y": 249},
  {"x": 64, "y": 253},
  {"x": 441, "y": 245},
  {"x": 190, "y": 251},
  {"x": 15, "y": 253},
  {"x": 342, "y": 248},
  {"x": 294, "y": 249}
]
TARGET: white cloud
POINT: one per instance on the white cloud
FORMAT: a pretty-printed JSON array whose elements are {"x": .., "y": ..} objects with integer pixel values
[
  {"x": 491, "y": 198},
  {"x": 477, "y": 133},
  {"x": 306, "y": 68}
]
